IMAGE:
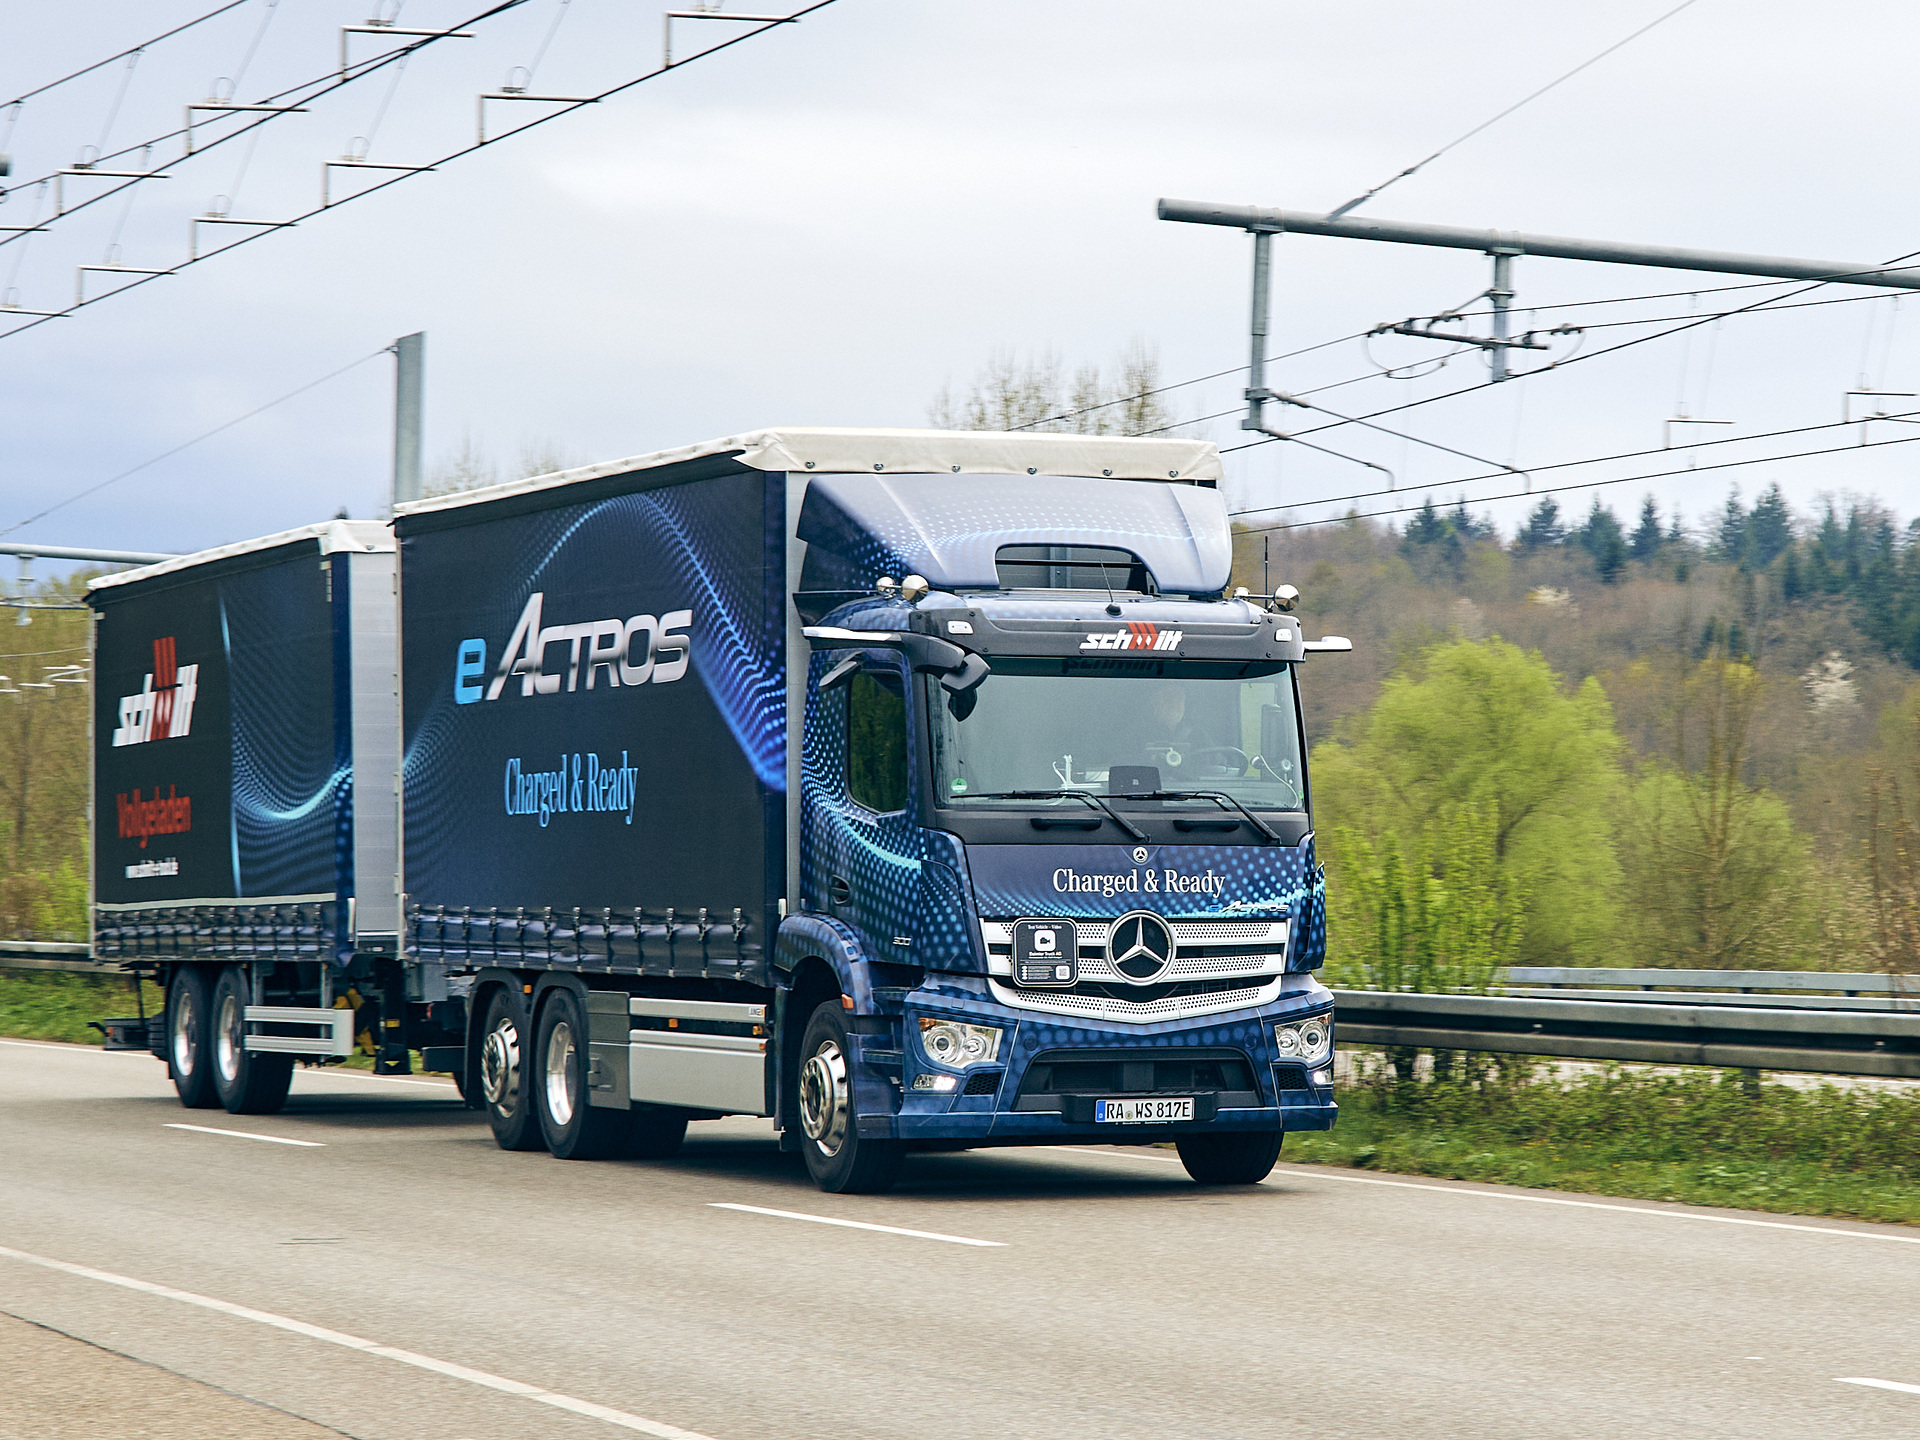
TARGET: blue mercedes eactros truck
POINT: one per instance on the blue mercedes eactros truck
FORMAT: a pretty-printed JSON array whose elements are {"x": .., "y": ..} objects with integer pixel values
[{"x": 915, "y": 789}]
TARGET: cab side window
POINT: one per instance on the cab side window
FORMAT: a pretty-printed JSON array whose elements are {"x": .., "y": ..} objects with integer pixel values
[{"x": 877, "y": 741}]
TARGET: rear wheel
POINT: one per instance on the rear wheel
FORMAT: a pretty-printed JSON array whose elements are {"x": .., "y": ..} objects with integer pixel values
[
  {"x": 247, "y": 1082},
  {"x": 188, "y": 1063},
  {"x": 1243, "y": 1157},
  {"x": 575, "y": 1129},
  {"x": 837, "y": 1158},
  {"x": 503, "y": 1073}
]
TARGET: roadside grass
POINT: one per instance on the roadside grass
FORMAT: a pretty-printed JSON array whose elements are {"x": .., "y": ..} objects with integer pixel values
[
  {"x": 57, "y": 1004},
  {"x": 1703, "y": 1138}
]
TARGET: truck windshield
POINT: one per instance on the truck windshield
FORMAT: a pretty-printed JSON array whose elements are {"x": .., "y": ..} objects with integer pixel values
[{"x": 1118, "y": 728}]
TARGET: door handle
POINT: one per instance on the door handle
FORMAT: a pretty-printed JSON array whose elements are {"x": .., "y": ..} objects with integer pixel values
[{"x": 839, "y": 892}]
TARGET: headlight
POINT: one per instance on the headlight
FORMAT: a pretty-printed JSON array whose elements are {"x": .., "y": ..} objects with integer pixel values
[
  {"x": 1309, "y": 1041},
  {"x": 950, "y": 1043}
]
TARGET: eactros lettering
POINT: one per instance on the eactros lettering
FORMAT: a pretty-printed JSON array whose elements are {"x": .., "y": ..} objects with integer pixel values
[{"x": 640, "y": 650}]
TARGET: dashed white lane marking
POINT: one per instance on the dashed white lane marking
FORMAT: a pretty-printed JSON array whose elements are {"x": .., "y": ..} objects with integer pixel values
[
  {"x": 1879, "y": 1384},
  {"x": 368, "y": 1347},
  {"x": 246, "y": 1135},
  {"x": 1324, "y": 1173},
  {"x": 855, "y": 1224}
]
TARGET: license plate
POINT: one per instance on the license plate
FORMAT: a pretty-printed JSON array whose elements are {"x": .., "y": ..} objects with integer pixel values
[{"x": 1157, "y": 1111}]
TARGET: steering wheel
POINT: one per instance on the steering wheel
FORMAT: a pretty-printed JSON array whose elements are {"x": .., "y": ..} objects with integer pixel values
[{"x": 1236, "y": 760}]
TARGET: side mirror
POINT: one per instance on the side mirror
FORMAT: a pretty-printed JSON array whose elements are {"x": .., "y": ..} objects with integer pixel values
[
  {"x": 966, "y": 679},
  {"x": 840, "y": 674}
]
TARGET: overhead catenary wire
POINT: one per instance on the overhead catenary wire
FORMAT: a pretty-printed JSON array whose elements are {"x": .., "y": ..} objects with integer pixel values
[
  {"x": 168, "y": 454},
  {"x": 1395, "y": 179},
  {"x": 1905, "y": 415},
  {"x": 1389, "y": 371},
  {"x": 449, "y": 158},
  {"x": 1849, "y": 449},
  {"x": 304, "y": 92},
  {"x": 1758, "y": 306},
  {"x": 123, "y": 54}
]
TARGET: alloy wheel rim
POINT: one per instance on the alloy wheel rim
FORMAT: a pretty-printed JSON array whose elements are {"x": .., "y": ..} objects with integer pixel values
[
  {"x": 185, "y": 1054},
  {"x": 560, "y": 1079},
  {"x": 500, "y": 1065},
  {"x": 227, "y": 1039},
  {"x": 823, "y": 1098}
]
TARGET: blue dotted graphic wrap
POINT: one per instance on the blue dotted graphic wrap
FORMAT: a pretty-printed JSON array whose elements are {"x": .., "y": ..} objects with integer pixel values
[{"x": 861, "y": 526}]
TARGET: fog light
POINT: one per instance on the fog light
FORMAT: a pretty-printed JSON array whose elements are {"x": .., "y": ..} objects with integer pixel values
[
  {"x": 936, "y": 1082},
  {"x": 956, "y": 1045},
  {"x": 1323, "y": 1078}
]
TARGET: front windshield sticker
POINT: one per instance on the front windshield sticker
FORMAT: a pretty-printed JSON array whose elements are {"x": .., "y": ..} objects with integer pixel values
[{"x": 1098, "y": 881}]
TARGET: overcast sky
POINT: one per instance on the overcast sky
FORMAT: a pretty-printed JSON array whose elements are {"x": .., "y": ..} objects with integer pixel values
[{"x": 825, "y": 224}]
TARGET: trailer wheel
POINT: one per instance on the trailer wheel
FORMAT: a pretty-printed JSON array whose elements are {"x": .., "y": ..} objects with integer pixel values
[
  {"x": 247, "y": 1082},
  {"x": 575, "y": 1129},
  {"x": 188, "y": 1063},
  {"x": 1243, "y": 1157},
  {"x": 503, "y": 1073},
  {"x": 839, "y": 1160}
]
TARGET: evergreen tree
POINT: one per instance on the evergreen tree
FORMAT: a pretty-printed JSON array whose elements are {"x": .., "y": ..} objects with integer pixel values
[
  {"x": 1730, "y": 543},
  {"x": 1646, "y": 537},
  {"x": 1769, "y": 528},
  {"x": 1543, "y": 527},
  {"x": 1601, "y": 538}
]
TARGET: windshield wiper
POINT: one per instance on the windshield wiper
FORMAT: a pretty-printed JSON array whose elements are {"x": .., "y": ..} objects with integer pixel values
[
  {"x": 1220, "y": 797},
  {"x": 1091, "y": 799}
]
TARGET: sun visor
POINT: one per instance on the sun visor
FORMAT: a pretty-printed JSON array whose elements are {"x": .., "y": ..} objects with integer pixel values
[{"x": 950, "y": 530}]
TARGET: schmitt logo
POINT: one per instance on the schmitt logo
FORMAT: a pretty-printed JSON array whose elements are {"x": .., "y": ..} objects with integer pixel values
[
  {"x": 163, "y": 710},
  {"x": 1138, "y": 635},
  {"x": 640, "y": 650}
]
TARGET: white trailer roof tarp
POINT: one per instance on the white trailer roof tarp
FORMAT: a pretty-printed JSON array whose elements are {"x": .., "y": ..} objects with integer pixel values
[{"x": 823, "y": 451}]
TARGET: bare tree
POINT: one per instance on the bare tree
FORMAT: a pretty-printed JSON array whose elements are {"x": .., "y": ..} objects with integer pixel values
[{"x": 1008, "y": 393}]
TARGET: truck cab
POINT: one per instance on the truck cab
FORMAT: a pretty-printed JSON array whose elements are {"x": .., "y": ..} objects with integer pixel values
[{"x": 1055, "y": 838}]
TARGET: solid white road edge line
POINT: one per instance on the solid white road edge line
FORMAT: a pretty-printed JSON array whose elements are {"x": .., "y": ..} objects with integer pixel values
[
  {"x": 330, "y": 1072},
  {"x": 245, "y": 1135},
  {"x": 1317, "y": 1172},
  {"x": 1878, "y": 1384},
  {"x": 368, "y": 1347},
  {"x": 855, "y": 1224}
]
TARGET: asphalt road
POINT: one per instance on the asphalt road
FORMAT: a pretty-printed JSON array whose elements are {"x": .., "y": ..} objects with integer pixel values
[{"x": 397, "y": 1277}]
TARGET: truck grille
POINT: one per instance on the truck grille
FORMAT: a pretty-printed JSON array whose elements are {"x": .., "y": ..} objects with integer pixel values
[
  {"x": 1107, "y": 1001},
  {"x": 1208, "y": 949}
]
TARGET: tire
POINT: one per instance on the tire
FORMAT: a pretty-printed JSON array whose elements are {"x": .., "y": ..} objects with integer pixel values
[
  {"x": 503, "y": 1073},
  {"x": 189, "y": 1043},
  {"x": 1241, "y": 1157},
  {"x": 838, "y": 1159},
  {"x": 573, "y": 1127},
  {"x": 247, "y": 1082}
]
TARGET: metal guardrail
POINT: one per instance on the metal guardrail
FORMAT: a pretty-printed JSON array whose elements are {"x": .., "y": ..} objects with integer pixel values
[
  {"x": 1870, "y": 1027},
  {"x": 52, "y": 955}
]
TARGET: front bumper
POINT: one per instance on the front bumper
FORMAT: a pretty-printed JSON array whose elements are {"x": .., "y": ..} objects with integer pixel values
[{"x": 1282, "y": 1094}]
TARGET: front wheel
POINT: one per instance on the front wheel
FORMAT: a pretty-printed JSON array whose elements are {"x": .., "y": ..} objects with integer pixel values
[
  {"x": 837, "y": 1158},
  {"x": 1242, "y": 1157}
]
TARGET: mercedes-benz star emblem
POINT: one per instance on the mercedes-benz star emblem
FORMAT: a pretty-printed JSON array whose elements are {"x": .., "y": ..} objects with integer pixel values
[
  {"x": 1140, "y": 947},
  {"x": 1139, "y": 854}
]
